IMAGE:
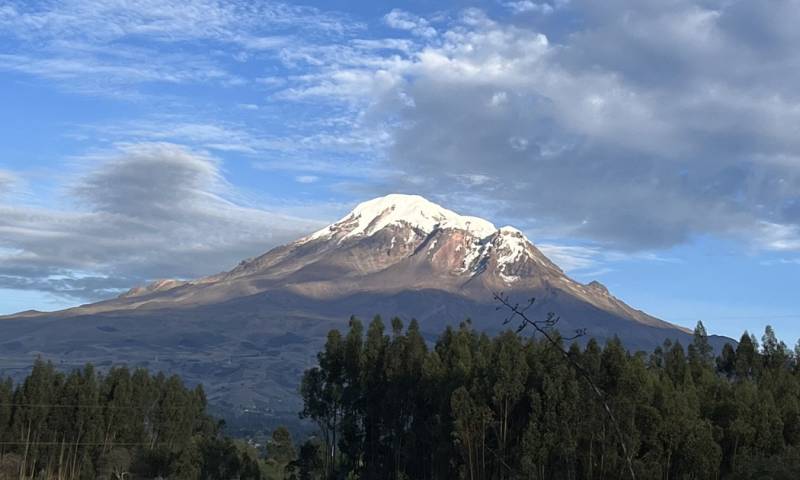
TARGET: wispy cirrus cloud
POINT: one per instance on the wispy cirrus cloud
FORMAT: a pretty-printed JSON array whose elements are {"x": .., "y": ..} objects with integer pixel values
[
  {"x": 403, "y": 20},
  {"x": 103, "y": 21},
  {"x": 306, "y": 178},
  {"x": 526, "y": 6},
  {"x": 781, "y": 261},
  {"x": 587, "y": 260},
  {"x": 105, "y": 47},
  {"x": 220, "y": 136},
  {"x": 327, "y": 145},
  {"x": 115, "y": 76}
]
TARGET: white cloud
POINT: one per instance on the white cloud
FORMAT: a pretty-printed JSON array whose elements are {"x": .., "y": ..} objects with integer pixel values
[
  {"x": 571, "y": 258},
  {"x": 221, "y": 137},
  {"x": 518, "y": 143},
  {"x": 403, "y": 20},
  {"x": 306, "y": 178},
  {"x": 527, "y": 6},
  {"x": 323, "y": 138},
  {"x": 781, "y": 261},
  {"x": 593, "y": 261},
  {"x": 634, "y": 131},
  {"x": 113, "y": 74},
  {"x": 104, "y": 47},
  {"x": 779, "y": 237},
  {"x": 271, "y": 81},
  {"x": 498, "y": 99},
  {"x": 474, "y": 179},
  {"x": 168, "y": 20}
]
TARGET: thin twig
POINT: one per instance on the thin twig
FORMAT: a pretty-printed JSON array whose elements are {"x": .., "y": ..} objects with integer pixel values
[{"x": 542, "y": 327}]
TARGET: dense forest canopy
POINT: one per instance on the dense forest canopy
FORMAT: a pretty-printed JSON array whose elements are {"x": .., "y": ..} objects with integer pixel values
[
  {"x": 122, "y": 424},
  {"x": 391, "y": 406},
  {"x": 511, "y": 407}
]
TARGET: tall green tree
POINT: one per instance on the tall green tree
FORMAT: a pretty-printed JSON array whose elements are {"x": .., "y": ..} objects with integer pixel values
[
  {"x": 280, "y": 451},
  {"x": 478, "y": 407}
]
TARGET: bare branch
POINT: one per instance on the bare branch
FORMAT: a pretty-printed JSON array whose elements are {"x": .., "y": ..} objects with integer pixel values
[{"x": 545, "y": 327}]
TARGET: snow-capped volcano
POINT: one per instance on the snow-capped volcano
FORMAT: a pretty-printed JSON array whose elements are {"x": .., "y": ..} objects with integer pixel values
[
  {"x": 387, "y": 246},
  {"x": 459, "y": 243},
  {"x": 453, "y": 243},
  {"x": 247, "y": 334},
  {"x": 401, "y": 242}
]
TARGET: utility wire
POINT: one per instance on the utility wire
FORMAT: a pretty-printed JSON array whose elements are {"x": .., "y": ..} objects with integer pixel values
[
  {"x": 112, "y": 407},
  {"x": 89, "y": 444}
]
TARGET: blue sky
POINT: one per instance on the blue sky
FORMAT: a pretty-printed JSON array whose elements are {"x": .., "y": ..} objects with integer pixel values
[{"x": 650, "y": 145}]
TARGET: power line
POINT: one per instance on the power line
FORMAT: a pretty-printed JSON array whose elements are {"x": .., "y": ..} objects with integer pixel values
[
  {"x": 738, "y": 317},
  {"x": 112, "y": 407},
  {"x": 90, "y": 444}
]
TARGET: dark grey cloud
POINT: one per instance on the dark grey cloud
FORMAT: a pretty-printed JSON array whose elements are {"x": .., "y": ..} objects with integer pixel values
[
  {"x": 649, "y": 123},
  {"x": 168, "y": 180},
  {"x": 144, "y": 212}
]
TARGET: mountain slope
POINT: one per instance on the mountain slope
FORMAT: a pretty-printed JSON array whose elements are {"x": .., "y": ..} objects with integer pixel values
[{"x": 248, "y": 333}]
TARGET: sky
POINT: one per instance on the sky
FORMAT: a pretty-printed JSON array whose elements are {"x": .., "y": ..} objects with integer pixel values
[{"x": 653, "y": 145}]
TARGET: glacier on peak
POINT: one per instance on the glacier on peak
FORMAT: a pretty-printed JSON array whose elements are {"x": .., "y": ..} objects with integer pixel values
[
  {"x": 393, "y": 209},
  {"x": 508, "y": 244}
]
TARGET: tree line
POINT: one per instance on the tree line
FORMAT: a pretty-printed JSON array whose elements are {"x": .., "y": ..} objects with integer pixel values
[
  {"x": 509, "y": 407},
  {"x": 121, "y": 424},
  {"x": 389, "y": 405}
]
